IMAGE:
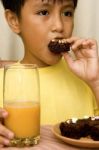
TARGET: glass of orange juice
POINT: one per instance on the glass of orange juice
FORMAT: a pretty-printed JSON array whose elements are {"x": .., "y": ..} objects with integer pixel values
[{"x": 22, "y": 101}]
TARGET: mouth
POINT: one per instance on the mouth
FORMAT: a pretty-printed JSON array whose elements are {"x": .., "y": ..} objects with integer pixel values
[{"x": 58, "y": 46}]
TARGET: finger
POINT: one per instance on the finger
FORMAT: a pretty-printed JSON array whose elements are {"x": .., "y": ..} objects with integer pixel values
[
  {"x": 1, "y": 120},
  {"x": 85, "y": 48},
  {"x": 91, "y": 43},
  {"x": 72, "y": 39},
  {"x": 78, "y": 45},
  {"x": 4, "y": 141},
  {"x": 6, "y": 132},
  {"x": 78, "y": 54},
  {"x": 69, "y": 59},
  {"x": 1, "y": 145},
  {"x": 3, "y": 113}
]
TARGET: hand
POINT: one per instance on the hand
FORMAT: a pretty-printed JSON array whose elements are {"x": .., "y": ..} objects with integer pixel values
[
  {"x": 5, "y": 134},
  {"x": 5, "y": 62},
  {"x": 86, "y": 64}
]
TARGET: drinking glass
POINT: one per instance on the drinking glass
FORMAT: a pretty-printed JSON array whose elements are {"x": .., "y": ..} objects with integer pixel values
[{"x": 22, "y": 101}]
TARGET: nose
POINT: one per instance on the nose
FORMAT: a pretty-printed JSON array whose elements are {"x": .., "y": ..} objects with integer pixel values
[{"x": 57, "y": 24}]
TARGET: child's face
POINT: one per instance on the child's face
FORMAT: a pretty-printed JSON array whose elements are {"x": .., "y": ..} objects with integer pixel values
[{"x": 41, "y": 22}]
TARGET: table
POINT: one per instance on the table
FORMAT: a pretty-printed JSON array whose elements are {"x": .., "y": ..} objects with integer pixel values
[{"x": 49, "y": 142}]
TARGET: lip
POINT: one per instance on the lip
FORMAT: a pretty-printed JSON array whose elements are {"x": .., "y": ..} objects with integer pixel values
[{"x": 58, "y": 38}]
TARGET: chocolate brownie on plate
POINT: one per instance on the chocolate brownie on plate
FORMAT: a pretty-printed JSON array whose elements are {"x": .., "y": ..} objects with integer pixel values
[{"x": 77, "y": 128}]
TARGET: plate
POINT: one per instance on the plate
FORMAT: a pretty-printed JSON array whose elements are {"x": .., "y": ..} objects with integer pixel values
[{"x": 83, "y": 142}]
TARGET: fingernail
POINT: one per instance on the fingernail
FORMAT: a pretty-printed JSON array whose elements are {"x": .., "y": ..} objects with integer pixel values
[
  {"x": 72, "y": 47},
  {"x": 5, "y": 114},
  {"x": 11, "y": 135},
  {"x": 6, "y": 142}
]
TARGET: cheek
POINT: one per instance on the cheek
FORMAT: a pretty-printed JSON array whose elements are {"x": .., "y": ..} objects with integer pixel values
[
  {"x": 34, "y": 41},
  {"x": 31, "y": 34},
  {"x": 69, "y": 29}
]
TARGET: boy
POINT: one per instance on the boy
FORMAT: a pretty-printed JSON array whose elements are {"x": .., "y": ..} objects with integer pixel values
[{"x": 63, "y": 94}]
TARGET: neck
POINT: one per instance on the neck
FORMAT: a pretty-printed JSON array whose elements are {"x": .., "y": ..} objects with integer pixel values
[{"x": 28, "y": 59}]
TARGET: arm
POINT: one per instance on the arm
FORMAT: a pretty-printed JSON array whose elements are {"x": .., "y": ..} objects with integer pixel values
[
  {"x": 4, "y": 62},
  {"x": 86, "y": 64}
]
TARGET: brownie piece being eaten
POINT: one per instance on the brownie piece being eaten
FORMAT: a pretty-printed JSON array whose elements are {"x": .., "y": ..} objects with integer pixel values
[{"x": 58, "y": 46}]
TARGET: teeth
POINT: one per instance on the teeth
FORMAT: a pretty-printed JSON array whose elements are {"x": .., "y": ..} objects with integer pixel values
[
  {"x": 60, "y": 41},
  {"x": 53, "y": 40},
  {"x": 63, "y": 41}
]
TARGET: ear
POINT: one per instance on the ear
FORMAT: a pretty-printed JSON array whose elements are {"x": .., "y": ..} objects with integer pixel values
[{"x": 13, "y": 21}]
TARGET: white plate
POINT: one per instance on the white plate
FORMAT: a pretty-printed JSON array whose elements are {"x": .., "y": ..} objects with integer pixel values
[{"x": 83, "y": 142}]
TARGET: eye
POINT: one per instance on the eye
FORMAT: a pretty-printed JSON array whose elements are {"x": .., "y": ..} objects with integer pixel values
[
  {"x": 43, "y": 12},
  {"x": 68, "y": 13}
]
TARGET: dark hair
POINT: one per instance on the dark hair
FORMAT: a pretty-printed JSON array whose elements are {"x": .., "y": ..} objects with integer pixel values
[{"x": 15, "y": 5}]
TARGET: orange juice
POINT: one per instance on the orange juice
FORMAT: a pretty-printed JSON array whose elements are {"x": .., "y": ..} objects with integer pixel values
[{"x": 23, "y": 119}]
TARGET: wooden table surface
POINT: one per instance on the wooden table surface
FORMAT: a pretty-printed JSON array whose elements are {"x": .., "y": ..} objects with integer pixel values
[{"x": 49, "y": 142}]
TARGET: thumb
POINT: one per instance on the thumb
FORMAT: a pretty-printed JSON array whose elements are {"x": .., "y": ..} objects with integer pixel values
[{"x": 68, "y": 58}]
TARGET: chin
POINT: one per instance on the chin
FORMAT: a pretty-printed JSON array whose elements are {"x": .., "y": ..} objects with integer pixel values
[{"x": 54, "y": 61}]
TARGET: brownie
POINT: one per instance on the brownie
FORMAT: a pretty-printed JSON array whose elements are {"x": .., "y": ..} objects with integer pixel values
[
  {"x": 58, "y": 46},
  {"x": 71, "y": 131},
  {"x": 81, "y": 128},
  {"x": 84, "y": 126},
  {"x": 95, "y": 132}
]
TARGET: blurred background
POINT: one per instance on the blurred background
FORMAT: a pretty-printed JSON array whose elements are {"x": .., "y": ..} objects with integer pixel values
[{"x": 86, "y": 25}]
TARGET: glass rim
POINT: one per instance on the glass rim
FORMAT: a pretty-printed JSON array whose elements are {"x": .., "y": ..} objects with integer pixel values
[{"x": 20, "y": 66}]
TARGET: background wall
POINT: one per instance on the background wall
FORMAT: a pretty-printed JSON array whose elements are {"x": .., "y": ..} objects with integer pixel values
[
  {"x": 86, "y": 25},
  {"x": 87, "y": 19}
]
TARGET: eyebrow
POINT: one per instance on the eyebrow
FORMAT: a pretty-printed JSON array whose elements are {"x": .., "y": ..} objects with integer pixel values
[
  {"x": 52, "y": 1},
  {"x": 38, "y": 4},
  {"x": 48, "y": 2}
]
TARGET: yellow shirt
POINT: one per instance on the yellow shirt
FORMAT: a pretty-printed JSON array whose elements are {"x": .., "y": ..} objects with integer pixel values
[{"x": 62, "y": 95}]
